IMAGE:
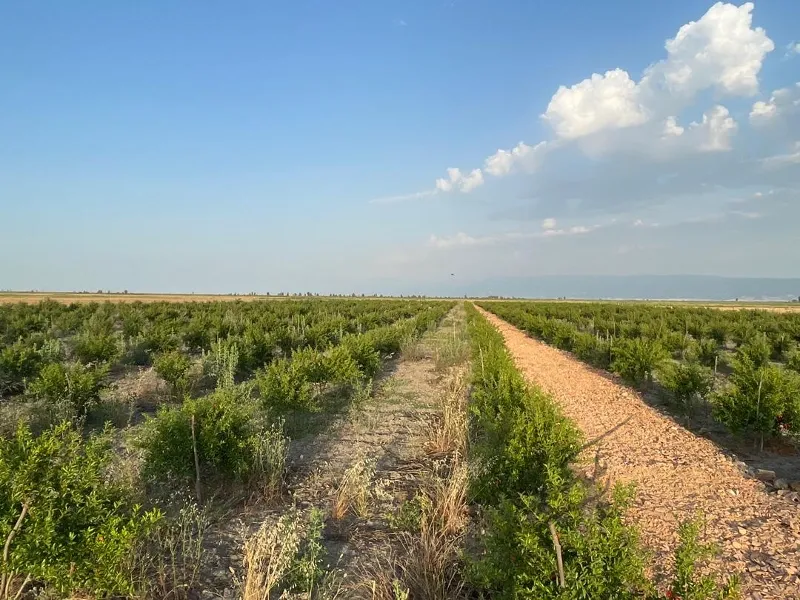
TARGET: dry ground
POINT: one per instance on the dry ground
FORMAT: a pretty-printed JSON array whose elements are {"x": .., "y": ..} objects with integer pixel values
[{"x": 677, "y": 474}]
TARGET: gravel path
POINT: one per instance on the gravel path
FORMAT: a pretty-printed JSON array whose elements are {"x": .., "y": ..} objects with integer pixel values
[{"x": 677, "y": 474}]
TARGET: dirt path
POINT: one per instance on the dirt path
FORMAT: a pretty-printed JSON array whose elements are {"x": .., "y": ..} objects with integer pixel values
[
  {"x": 383, "y": 442},
  {"x": 677, "y": 474}
]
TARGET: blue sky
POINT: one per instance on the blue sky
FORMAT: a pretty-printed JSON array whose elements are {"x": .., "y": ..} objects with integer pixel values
[{"x": 253, "y": 146}]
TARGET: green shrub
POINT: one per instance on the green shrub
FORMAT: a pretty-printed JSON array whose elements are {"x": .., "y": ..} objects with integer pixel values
[
  {"x": 782, "y": 345},
  {"x": 70, "y": 389},
  {"x": 756, "y": 349},
  {"x": 92, "y": 347},
  {"x": 687, "y": 381},
  {"x": 225, "y": 431},
  {"x": 309, "y": 364},
  {"x": 160, "y": 337},
  {"x": 706, "y": 351},
  {"x": 173, "y": 367},
  {"x": 282, "y": 387},
  {"x": 18, "y": 362},
  {"x": 635, "y": 359},
  {"x": 341, "y": 366},
  {"x": 137, "y": 353},
  {"x": 77, "y": 530},
  {"x": 366, "y": 349},
  {"x": 601, "y": 555},
  {"x": 760, "y": 400},
  {"x": 690, "y": 554},
  {"x": 793, "y": 361}
]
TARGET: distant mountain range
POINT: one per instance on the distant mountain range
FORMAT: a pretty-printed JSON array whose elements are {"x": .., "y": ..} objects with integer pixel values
[{"x": 655, "y": 287}]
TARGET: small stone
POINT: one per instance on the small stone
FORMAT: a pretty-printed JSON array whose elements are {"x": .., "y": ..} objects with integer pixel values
[
  {"x": 764, "y": 475},
  {"x": 741, "y": 466},
  {"x": 781, "y": 484}
]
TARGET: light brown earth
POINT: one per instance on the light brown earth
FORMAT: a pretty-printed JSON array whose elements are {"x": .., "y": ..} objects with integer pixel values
[{"x": 677, "y": 474}]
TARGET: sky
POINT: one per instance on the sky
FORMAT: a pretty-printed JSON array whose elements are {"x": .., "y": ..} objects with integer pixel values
[{"x": 356, "y": 145}]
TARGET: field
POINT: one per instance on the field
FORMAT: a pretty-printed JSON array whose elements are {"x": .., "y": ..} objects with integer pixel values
[{"x": 190, "y": 447}]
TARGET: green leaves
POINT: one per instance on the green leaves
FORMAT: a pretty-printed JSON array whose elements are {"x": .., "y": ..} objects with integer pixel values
[
  {"x": 70, "y": 389},
  {"x": 635, "y": 359},
  {"x": 760, "y": 399},
  {"x": 688, "y": 382},
  {"x": 79, "y": 530}
]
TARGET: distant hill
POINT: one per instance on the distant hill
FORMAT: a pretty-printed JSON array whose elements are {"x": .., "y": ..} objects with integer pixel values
[{"x": 672, "y": 287}]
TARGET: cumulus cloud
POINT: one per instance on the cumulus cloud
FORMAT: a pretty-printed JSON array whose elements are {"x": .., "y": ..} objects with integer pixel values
[
  {"x": 715, "y": 130},
  {"x": 782, "y": 104},
  {"x": 721, "y": 51},
  {"x": 631, "y": 129},
  {"x": 792, "y": 49},
  {"x": 522, "y": 155},
  {"x": 549, "y": 224},
  {"x": 600, "y": 102},
  {"x": 456, "y": 180}
]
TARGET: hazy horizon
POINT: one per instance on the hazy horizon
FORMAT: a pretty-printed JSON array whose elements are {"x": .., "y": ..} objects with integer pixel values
[{"x": 620, "y": 287}]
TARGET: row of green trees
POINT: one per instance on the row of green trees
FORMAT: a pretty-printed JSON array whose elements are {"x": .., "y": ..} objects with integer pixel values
[
  {"x": 759, "y": 394},
  {"x": 34, "y": 335},
  {"x": 549, "y": 534},
  {"x": 73, "y": 521}
]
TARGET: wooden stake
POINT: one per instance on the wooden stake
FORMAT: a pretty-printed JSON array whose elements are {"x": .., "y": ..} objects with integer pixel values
[
  {"x": 5, "y": 580},
  {"x": 559, "y": 559},
  {"x": 197, "y": 484}
]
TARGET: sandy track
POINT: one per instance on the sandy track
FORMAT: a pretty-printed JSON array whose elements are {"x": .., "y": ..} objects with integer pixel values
[{"x": 677, "y": 474}]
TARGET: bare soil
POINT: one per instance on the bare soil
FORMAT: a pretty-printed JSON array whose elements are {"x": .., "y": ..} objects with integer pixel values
[{"x": 677, "y": 474}]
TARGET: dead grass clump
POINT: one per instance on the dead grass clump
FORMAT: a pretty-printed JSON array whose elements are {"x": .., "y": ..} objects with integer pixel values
[
  {"x": 353, "y": 492},
  {"x": 169, "y": 561},
  {"x": 268, "y": 556},
  {"x": 412, "y": 348},
  {"x": 427, "y": 563},
  {"x": 269, "y": 461},
  {"x": 449, "y": 434},
  {"x": 287, "y": 556},
  {"x": 453, "y": 350}
]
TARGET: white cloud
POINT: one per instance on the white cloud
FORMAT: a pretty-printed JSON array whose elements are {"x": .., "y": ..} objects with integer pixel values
[
  {"x": 504, "y": 162},
  {"x": 762, "y": 111},
  {"x": 715, "y": 130},
  {"x": 549, "y": 224},
  {"x": 671, "y": 128},
  {"x": 721, "y": 51},
  {"x": 456, "y": 180},
  {"x": 783, "y": 103},
  {"x": 607, "y": 101},
  {"x": 792, "y": 49},
  {"x": 630, "y": 131}
]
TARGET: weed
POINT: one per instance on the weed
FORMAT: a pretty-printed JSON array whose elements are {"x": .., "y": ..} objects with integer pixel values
[
  {"x": 171, "y": 557},
  {"x": 354, "y": 490},
  {"x": 690, "y": 554},
  {"x": 287, "y": 555}
]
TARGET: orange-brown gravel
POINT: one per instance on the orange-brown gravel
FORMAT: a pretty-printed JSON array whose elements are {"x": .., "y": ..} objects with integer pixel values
[{"x": 677, "y": 474}]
